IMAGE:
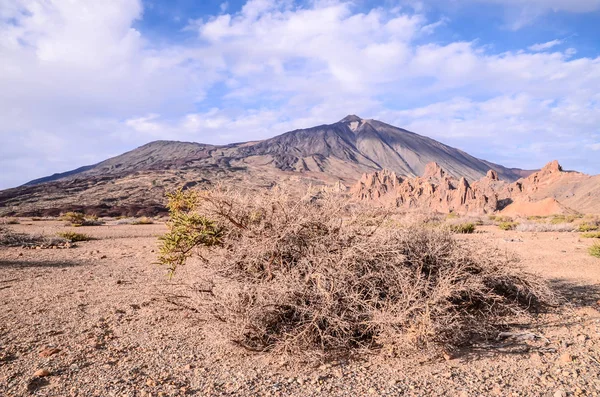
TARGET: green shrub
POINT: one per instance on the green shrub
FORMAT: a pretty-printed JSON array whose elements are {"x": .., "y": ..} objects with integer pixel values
[
  {"x": 452, "y": 215},
  {"x": 74, "y": 237},
  {"x": 78, "y": 219},
  {"x": 591, "y": 235},
  {"x": 556, "y": 219},
  {"x": 463, "y": 228},
  {"x": 587, "y": 227},
  {"x": 508, "y": 225},
  {"x": 595, "y": 250}
]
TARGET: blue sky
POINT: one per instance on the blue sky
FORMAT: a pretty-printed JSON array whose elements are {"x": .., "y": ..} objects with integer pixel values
[{"x": 516, "y": 82}]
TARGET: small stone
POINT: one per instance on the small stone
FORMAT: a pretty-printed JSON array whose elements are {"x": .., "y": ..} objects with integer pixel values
[
  {"x": 581, "y": 338},
  {"x": 119, "y": 282},
  {"x": 150, "y": 382},
  {"x": 47, "y": 352},
  {"x": 41, "y": 373},
  {"x": 560, "y": 393},
  {"x": 565, "y": 358},
  {"x": 372, "y": 390}
]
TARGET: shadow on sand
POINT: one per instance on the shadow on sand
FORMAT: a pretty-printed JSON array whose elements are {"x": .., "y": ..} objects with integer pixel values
[
  {"x": 528, "y": 337},
  {"x": 18, "y": 264}
]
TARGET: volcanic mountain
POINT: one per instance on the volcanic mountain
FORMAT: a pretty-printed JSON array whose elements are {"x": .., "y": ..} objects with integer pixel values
[{"x": 135, "y": 182}]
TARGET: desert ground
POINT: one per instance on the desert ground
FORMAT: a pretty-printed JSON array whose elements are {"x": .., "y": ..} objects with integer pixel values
[{"x": 101, "y": 319}]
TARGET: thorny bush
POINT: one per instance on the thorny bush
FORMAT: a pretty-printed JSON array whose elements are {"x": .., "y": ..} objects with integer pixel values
[{"x": 325, "y": 275}]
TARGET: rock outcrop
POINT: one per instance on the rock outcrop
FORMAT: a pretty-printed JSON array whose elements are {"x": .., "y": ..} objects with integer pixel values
[{"x": 436, "y": 190}]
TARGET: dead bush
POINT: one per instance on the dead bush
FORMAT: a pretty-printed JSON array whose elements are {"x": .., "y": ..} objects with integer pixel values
[
  {"x": 10, "y": 238},
  {"x": 545, "y": 227},
  {"x": 324, "y": 276}
]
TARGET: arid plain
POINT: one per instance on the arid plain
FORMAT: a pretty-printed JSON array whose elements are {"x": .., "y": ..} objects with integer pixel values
[{"x": 102, "y": 319}]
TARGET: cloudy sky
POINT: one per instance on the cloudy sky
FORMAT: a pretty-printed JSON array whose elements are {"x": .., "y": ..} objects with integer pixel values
[{"x": 516, "y": 82}]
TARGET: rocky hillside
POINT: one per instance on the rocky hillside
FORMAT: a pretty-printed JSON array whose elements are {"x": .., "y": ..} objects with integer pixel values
[
  {"x": 325, "y": 154},
  {"x": 546, "y": 192}
]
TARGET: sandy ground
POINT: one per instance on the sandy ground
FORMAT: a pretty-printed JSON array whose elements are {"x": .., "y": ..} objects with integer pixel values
[{"x": 103, "y": 320}]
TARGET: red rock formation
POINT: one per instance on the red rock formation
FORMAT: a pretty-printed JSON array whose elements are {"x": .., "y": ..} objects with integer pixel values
[{"x": 437, "y": 191}]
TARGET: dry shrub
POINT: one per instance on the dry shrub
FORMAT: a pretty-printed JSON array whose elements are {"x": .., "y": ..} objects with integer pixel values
[
  {"x": 587, "y": 227},
  {"x": 545, "y": 227},
  {"x": 508, "y": 225},
  {"x": 322, "y": 275},
  {"x": 557, "y": 219},
  {"x": 462, "y": 228},
  {"x": 74, "y": 237},
  {"x": 594, "y": 250},
  {"x": 78, "y": 219},
  {"x": 143, "y": 221},
  {"x": 591, "y": 235},
  {"x": 10, "y": 238}
]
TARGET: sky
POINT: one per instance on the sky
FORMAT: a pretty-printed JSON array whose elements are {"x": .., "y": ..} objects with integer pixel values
[{"x": 516, "y": 82}]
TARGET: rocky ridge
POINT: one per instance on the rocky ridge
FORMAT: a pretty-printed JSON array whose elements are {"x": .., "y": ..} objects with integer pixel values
[{"x": 541, "y": 193}]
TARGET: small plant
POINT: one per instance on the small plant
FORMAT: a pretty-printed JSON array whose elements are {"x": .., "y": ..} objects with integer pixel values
[
  {"x": 591, "y": 235},
  {"x": 452, "y": 215},
  {"x": 143, "y": 221},
  {"x": 545, "y": 227},
  {"x": 563, "y": 219},
  {"x": 587, "y": 227},
  {"x": 11, "y": 222},
  {"x": 36, "y": 219},
  {"x": 74, "y": 237},
  {"x": 78, "y": 219},
  {"x": 9, "y": 238},
  {"x": 463, "y": 228},
  {"x": 595, "y": 250},
  {"x": 508, "y": 225}
]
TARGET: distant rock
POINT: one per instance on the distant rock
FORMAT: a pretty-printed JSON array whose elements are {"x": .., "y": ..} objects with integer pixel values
[{"x": 536, "y": 195}]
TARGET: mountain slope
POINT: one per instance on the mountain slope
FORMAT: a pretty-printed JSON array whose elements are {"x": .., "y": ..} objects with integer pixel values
[{"x": 323, "y": 154}]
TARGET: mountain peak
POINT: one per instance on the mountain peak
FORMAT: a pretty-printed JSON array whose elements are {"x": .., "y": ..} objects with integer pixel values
[
  {"x": 351, "y": 118},
  {"x": 552, "y": 166}
]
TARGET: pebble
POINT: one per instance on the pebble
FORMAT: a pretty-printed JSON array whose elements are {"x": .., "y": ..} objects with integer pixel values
[{"x": 41, "y": 373}]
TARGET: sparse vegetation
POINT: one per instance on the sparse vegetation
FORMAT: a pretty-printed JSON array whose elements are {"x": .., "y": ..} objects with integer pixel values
[
  {"x": 10, "y": 221},
  {"x": 500, "y": 218},
  {"x": 545, "y": 227},
  {"x": 78, "y": 219},
  {"x": 143, "y": 221},
  {"x": 595, "y": 250},
  {"x": 587, "y": 227},
  {"x": 10, "y": 238},
  {"x": 75, "y": 237},
  {"x": 321, "y": 276},
  {"x": 556, "y": 219},
  {"x": 508, "y": 225},
  {"x": 463, "y": 228},
  {"x": 591, "y": 235}
]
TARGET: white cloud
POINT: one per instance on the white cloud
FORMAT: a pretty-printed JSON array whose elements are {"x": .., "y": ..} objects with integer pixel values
[
  {"x": 79, "y": 83},
  {"x": 545, "y": 46},
  {"x": 551, "y": 5}
]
